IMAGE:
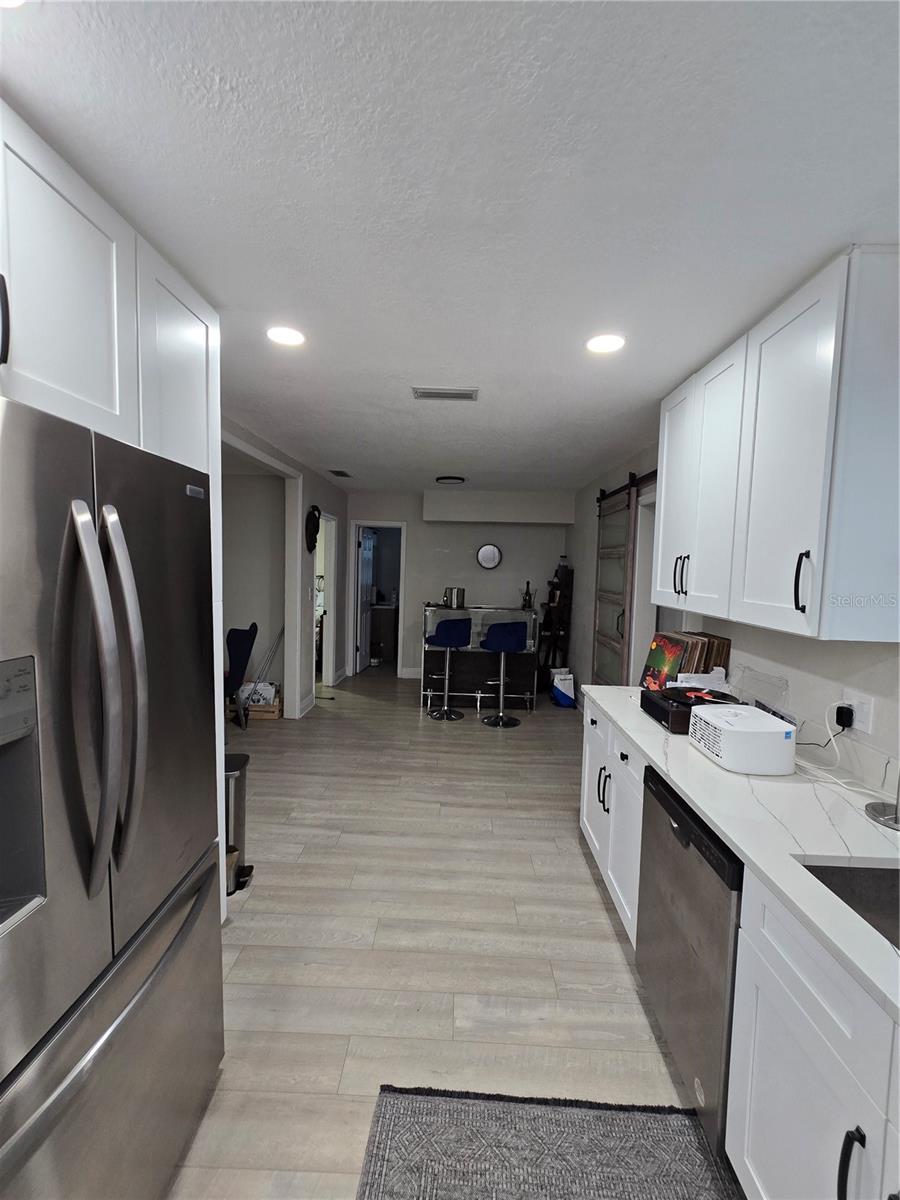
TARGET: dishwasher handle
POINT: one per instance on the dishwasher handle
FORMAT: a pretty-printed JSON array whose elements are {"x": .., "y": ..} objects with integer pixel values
[
  {"x": 680, "y": 834},
  {"x": 691, "y": 830}
]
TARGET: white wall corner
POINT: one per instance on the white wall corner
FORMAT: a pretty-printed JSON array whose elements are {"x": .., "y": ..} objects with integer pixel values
[{"x": 305, "y": 705}]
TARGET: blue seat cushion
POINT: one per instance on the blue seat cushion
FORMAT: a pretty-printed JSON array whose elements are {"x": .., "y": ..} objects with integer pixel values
[
  {"x": 510, "y": 637},
  {"x": 451, "y": 633}
]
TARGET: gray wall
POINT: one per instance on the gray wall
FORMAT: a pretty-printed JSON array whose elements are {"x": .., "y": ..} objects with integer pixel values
[
  {"x": 333, "y": 501},
  {"x": 253, "y": 561},
  {"x": 440, "y": 554}
]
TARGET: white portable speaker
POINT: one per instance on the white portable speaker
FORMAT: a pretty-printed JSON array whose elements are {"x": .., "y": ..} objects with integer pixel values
[{"x": 744, "y": 739}]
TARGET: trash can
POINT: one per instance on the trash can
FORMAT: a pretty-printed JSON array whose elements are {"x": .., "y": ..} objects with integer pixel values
[{"x": 237, "y": 871}]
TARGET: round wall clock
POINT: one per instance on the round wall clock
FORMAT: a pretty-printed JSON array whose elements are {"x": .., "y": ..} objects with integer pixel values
[
  {"x": 489, "y": 556},
  {"x": 313, "y": 521}
]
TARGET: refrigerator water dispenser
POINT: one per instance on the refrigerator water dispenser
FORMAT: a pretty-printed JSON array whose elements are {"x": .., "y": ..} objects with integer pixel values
[{"x": 21, "y": 826}]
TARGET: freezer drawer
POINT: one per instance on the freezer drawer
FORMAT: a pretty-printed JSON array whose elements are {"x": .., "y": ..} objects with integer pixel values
[{"x": 105, "y": 1107}]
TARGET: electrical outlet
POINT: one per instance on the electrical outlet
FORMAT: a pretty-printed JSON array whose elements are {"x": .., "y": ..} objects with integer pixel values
[{"x": 863, "y": 708}]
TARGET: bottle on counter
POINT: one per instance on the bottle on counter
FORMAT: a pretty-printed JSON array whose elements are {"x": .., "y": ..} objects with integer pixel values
[{"x": 527, "y": 598}]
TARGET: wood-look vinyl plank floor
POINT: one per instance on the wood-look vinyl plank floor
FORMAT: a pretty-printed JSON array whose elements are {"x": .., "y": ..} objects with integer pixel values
[{"x": 422, "y": 912}]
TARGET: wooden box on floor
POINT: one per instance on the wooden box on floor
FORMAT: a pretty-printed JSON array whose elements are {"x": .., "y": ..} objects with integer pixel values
[{"x": 259, "y": 712}]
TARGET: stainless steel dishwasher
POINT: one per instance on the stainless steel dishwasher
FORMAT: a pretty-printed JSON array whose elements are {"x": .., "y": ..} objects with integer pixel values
[{"x": 688, "y": 910}]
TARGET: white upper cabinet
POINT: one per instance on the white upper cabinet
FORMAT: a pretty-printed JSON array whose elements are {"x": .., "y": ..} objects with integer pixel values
[
  {"x": 718, "y": 401},
  {"x": 676, "y": 496},
  {"x": 699, "y": 437},
  {"x": 178, "y": 337},
  {"x": 790, "y": 400},
  {"x": 68, "y": 261},
  {"x": 777, "y": 487},
  {"x": 179, "y": 347}
]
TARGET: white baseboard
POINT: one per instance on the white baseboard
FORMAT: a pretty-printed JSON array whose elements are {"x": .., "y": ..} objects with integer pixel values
[
  {"x": 410, "y": 673},
  {"x": 339, "y": 677},
  {"x": 304, "y": 706}
]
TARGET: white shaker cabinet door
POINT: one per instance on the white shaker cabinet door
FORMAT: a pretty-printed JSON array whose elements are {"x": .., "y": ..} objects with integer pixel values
[
  {"x": 718, "y": 403},
  {"x": 793, "y": 1106},
  {"x": 179, "y": 338},
  {"x": 676, "y": 496},
  {"x": 785, "y": 457},
  {"x": 178, "y": 335},
  {"x": 68, "y": 261},
  {"x": 626, "y": 807},
  {"x": 594, "y": 764}
]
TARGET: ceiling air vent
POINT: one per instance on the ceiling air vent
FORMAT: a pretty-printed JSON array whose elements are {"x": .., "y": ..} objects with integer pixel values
[
  {"x": 423, "y": 393},
  {"x": 339, "y": 474}
]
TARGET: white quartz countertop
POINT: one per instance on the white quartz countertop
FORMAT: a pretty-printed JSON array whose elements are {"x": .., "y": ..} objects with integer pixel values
[{"x": 775, "y": 824}]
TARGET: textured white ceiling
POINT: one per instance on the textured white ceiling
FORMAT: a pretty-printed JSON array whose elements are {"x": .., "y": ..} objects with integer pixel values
[{"x": 461, "y": 193}]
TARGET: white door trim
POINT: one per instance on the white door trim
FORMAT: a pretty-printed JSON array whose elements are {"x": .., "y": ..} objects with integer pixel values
[
  {"x": 352, "y": 597},
  {"x": 295, "y": 693},
  {"x": 328, "y": 646}
]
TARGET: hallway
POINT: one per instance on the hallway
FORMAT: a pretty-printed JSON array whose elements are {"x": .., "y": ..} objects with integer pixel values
[{"x": 421, "y": 914}]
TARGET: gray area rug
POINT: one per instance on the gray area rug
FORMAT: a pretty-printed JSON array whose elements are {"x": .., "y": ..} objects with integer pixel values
[{"x": 431, "y": 1145}]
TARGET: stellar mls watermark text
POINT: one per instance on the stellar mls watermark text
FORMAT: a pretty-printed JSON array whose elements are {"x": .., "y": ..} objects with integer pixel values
[{"x": 862, "y": 599}]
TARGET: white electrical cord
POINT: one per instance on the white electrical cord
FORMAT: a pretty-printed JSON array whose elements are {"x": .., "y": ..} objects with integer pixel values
[
  {"x": 831, "y": 736},
  {"x": 849, "y": 785},
  {"x": 823, "y": 773}
]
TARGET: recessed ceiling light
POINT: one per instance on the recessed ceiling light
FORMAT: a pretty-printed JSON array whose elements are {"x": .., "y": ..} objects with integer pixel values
[
  {"x": 605, "y": 343},
  {"x": 11, "y": 3},
  {"x": 449, "y": 479},
  {"x": 285, "y": 336}
]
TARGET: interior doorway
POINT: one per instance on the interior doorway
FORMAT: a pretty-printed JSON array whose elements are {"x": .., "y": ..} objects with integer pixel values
[
  {"x": 324, "y": 630},
  {"x": 253, "y": 568},
  {"x": 377, "y": 568}
]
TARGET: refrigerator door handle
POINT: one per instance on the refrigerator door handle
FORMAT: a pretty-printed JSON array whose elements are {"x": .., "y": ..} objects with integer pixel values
[
  {"x": 140, "y": 729},
  {"x": 111, "y": 689},
  {"x": 31, "y": 1134}
]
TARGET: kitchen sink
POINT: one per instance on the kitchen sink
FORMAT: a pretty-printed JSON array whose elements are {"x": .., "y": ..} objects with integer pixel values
[{"x": 873, "y": 892}]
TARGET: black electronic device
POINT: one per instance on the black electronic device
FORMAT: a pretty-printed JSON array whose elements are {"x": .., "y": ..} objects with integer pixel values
[{"x": 671, "y": 706}]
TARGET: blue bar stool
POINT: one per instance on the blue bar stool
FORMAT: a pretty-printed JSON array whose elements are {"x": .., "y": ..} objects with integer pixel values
[
  {"x": 504, "y": 637},
  {"x": 450, "y": 634}
]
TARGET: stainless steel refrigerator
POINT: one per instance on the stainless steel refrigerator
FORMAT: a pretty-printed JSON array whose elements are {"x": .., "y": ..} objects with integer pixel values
[{"x": 110, "y": 961}]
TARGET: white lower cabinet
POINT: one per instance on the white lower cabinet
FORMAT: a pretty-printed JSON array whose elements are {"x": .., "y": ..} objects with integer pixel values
[
  {"x": 626, "y": 806},
  {"x": 612, "y": 774},
  {"x": 795, "y": 1109},
  {"x": 595, "y": 754}
]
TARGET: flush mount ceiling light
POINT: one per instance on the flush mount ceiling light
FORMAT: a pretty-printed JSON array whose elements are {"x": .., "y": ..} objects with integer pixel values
[
  {"x": 605, "y": 343},
  {"x": 283, "y": 335},
  {"x": 450, "y": 479}
]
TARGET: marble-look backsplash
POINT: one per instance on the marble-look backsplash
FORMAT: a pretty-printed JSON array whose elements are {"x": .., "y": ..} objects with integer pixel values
[{"x": 803, "y": 677}]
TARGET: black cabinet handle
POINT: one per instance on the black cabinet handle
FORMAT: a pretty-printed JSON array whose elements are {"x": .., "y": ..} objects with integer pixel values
[
  {"x": 603, "y": 794},
  {"x": 4, "y": 321},
  {"x": 852, "y": 1138},
  {"x": 600, "y": 774},
  {"x": 800, "y": 557},
  {"x": 620, "y": 620},
  {"x": 623, "y": 756},
  {"x": 675, "y": 575},
  {"x": 593, "y": 721},
  {"x": 684, "y": 562}
]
